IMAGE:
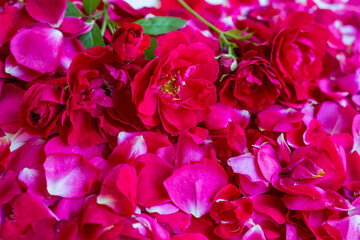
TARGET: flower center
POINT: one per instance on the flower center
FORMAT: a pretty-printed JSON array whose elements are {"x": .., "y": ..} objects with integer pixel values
[{"x": 169, "y": 87}]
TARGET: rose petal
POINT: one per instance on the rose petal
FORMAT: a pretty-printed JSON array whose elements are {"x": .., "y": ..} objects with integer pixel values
[
  {"x": 38, "y": 48},
  {"x": 192, "y": 188},
  {"x": 69, "y": 175},
  {"x": 52, "y": 12}
]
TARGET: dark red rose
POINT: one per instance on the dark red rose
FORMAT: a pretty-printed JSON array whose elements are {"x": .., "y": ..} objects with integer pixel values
[
  {"x": 129, "y": 42},
  {"x": 177, "y": 88},
  {"x": 41, "y": 108},
  {"x": 100, "y": 104},
  {"x": 297, "y": 52},
  {"x": 255, "y": 86}
]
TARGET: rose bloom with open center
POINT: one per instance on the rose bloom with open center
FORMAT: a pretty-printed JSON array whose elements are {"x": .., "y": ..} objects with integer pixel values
[{"x": 176, "y": 89}]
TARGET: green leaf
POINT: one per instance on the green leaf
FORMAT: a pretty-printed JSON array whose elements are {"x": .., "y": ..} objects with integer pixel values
[
  {"x": 160, "y": 25},
  {"x": 149, "y": 52},
  {"x": 90, "y": 5},
  {"x": 92, "y": 38},
  {"x": 72, "y": 10}
]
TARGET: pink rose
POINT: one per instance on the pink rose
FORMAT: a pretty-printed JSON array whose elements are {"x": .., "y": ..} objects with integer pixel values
[
  {"x": 255, "y": 86},
  {"x": 129, "y": 42},
  {"x": 41, "y": 109},
  {"x": 177, "y": 88},
  {"x": 100, "y": 104},
  {"x": 297, "y": 52}
]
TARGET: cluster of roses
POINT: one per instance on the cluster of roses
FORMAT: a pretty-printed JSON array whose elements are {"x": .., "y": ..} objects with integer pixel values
[{"x": 254, "y": 137}]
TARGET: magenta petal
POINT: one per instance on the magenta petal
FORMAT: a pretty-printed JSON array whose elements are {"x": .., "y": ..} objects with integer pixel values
[
  {"x": 346, "y": 228},
  {"x": 10, "y": 102},
  {"x": 246, "y": 165},
  {"x": 72, "y": 27},
  {"x": 38, "y": 48},
  {"x": 19, "y": 71},
  {"x": 98, "y": 214},
  {"x": 70, "y": 49},
  {"x": 192, "y": 187},
  {"x": 119, "y": 190},
  {"x": 28, "y": 209},
  {"x": 268, "y": 162},
  {"x": 186, "y": 236},
  {"x": 335, "y": 118},
  {"x": 9, "y": 187},
  {"x": 46, "y": 11},
  {"x": 56, "y": 145},
  {"x": 356, "y": 132},
  {"x": 150, "y": 189},
  {"x": 254, "y": 233},
  {"x": 35, "y": 181},
  {"x": 69, "y": 175}
]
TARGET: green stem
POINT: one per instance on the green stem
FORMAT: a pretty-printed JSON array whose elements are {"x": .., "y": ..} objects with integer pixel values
[
  {"x": 187, "y": 7},
  {"x": 111, "y": 28},
  {"x": 105, "y": 20},
  {"x": 222, "y": 34}
]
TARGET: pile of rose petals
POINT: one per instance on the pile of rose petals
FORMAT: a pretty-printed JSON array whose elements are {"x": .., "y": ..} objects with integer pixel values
[{"x": 185, "y": 121}]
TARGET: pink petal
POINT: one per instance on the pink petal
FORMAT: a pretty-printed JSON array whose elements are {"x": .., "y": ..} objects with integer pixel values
[
  {"x": 69, "y": 175},
  {"x": 150, "y": 189},
  {"x": 19, "y": 71},
  {"x": 119, "y": 190},
  {"x": 188, "y": 151},
  {"x": 131, "y": 148},
  {"x": 56, "y": 145},
  {"x": 35, "y": 181},
  {"x": 98, "y": 214},
  {"x": 175, "y": 222},
  {"x": 52, "y": 12},
  {"x": 72, "y": 27},
  {"x": 28, "y": 209},
  {"x": 246, "y": 165},
  {"x": 38, "y": 48},
  {"x": 270, "y": 205},
  {"x": 10, "y": 102},
  {"x": 346, "y": 228},
  {"x": 29, "y": 155},
  {"x": 192, "y": 187},
  {"x": 68, "y": 208},
  {"x": 170, "y": 41},
  {"x": 280, "y": 119},
  {"x": 70, "y": 49},
  {"x": 356, "y": 133},
  {"x": 186, "y": 236},
  {"x": 254, "y": 233},
  {"x": 268, "y": 162},
  {"x": 335, "y": 118},
  {"x": 156, "y": 231},
  {"x": 9, "y": 187}
]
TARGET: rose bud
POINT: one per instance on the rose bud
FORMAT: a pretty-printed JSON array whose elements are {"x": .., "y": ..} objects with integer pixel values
[
  {"x": 129, "y": 42},
  {"x": 41, "y": 108},
  {"x": 227, "y": 63}
]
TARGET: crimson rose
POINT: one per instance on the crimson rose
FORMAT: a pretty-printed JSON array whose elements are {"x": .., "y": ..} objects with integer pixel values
[{"x": 177, "y": 88}]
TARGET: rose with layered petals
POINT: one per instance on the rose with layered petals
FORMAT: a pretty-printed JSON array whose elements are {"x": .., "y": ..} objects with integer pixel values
[
  {"x": 255, "y": 86},
  {"x": 177, "y": 88},
  {"x": 100, "y": 104},
  {"x": 297, "y": 52},
  {"x": 41, "y": 109},
  {"x": 129, "y": 42}
]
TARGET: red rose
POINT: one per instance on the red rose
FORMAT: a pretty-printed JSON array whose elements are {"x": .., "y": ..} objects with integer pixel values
[
  {"x": 297, "y": 52},
  {"x": 255, "y": 86},
  {"x": 129, "y": 42},
  {"x": 41, "y": 108},
  {"x": 176, "y": 88},
  {"x": 100, "y": 104}
]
